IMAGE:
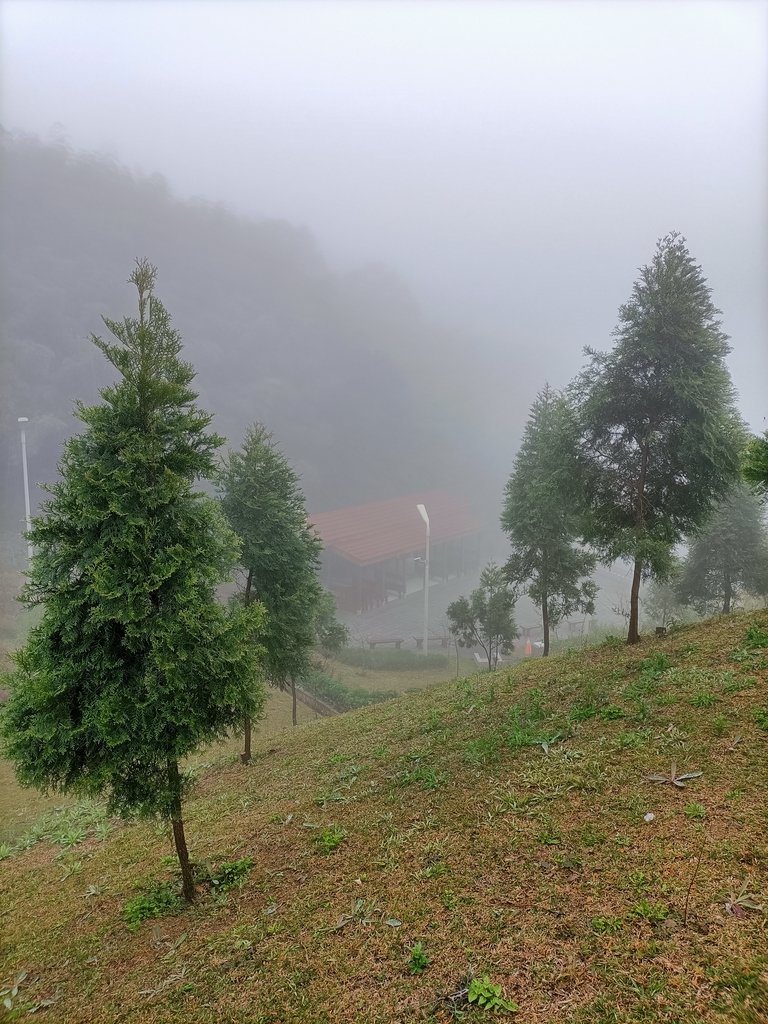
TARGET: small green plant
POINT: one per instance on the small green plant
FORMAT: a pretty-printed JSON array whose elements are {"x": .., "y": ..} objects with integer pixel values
[
  {"x": 611, "y": 713},
  {"x": 9, "y": 994},
  {"x": 483, "y": 993},
  {"x": 695, "y": 811},
  {"x": 482, "y": 751},
  {"x": 606, "y": 925},
  {"x": 231, "y": 874},
  {"x": 6, "y": 851},
  {"x": 419, "y": 961},
  {"x": 761, "y": 717},
  {"x": 161, "y": 900},
  {"x": 423, "y": 775},
  {"x": 653, "y": 913},
  {"x": 704, "y": 699},
  {"x": 449, "y": 900},
  {"x": 329, "y": 839},
  {"x": 756, "y": 638}
]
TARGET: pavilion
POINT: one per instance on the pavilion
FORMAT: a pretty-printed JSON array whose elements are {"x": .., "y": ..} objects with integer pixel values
[{"x": 371, "y": 552}]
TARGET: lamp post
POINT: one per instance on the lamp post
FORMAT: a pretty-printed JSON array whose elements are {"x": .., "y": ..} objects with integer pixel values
[
  {"x": 423, "y": 513},
  {"x": 22, "y": 421}
]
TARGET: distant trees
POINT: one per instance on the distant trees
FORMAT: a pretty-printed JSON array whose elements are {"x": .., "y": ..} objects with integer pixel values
[
  {"x": 134, "y": 664},
  {"x": 659, "y": 439},
  {"x": 729, "y": 556},
  {"x": 262, "y": 499},
  {"x": 542, "y": 520},
  {"x": 485, "y": 619}
]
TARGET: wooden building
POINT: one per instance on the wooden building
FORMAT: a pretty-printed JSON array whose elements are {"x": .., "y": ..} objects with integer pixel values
[{"x": 371, "y": 551}]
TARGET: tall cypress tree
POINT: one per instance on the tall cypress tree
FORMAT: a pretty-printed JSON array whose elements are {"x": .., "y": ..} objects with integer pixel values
[
  {"x": 729, "y": 556},
  {"x": 541, "y": 519},
  {"x": 659, "y": 439},
  {"x": 134, "y": 664},
  {"x": 264, "y": 503}
]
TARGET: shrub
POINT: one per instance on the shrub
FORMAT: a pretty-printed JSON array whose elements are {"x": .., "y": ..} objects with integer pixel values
[
  {"x": 345, "y": 698},
  {"x": 160, "y": 900}
]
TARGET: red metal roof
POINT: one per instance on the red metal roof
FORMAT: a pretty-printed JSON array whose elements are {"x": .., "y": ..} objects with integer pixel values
[{"x": 371, "y": 533}]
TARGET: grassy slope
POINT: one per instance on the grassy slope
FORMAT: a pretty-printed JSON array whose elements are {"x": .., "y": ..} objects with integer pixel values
[{"x": 535, "y": 867}]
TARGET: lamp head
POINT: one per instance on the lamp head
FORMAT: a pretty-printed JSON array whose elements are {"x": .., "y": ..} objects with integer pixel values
[
  {"x": 423, "y": 513},
  {"x": 23, "y": 419}
]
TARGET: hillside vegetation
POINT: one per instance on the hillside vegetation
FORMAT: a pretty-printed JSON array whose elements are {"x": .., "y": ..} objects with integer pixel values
[{"x": 377, "y": 861}]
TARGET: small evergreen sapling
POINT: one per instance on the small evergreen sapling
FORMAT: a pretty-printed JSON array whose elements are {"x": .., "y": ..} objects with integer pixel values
[{"x": 134, "y": 664}]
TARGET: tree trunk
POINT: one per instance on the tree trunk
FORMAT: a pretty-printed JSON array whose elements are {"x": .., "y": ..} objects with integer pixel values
[
  {"x": 728, "y": 597},
  {"x": 179, "y": 839},
  {"x": 293, "y": 702},
  {"x": 545, "y": 616},
  {"x": 633, "y": 634},
  {"x": 245, "y": 757}
]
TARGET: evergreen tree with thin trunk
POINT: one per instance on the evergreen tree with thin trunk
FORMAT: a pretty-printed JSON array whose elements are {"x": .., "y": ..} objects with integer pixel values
[
  {"x": 485, "y": 619},
  {"x": 729, "y": 557},
  {"x": 542, "y": 521},
  {"x": 263, "y": 501},
  {"x": 134, "y": 664},
  {"x": 659, "y": 438}
]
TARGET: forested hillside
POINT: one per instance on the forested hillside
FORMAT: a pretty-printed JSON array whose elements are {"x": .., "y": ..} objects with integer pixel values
[{"x": 341, "y": 367}]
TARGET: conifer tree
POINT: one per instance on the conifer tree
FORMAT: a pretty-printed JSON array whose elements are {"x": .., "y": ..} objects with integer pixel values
[
  {"x": 541, "y": 519},
  {"x": 659, "y": 439},
  {"x": 134, "y": 664},
  {"x": 729, "y": 557},
  {"x": 265, "y": 506}
]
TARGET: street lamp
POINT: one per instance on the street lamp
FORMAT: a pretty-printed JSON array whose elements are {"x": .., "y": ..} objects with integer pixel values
[
  {"x": 23, "y": 420},
  {"x": 423, "y": 513}
]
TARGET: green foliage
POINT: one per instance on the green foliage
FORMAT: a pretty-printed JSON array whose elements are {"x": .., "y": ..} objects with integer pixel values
[
  {"x": 728, "y": 557},
  {"x": 133, "y": 664},
  {"x": 607, "y": 925},
  {"x": 336, "y": 693},
  {"x": 485, "y": 619},
  {"x": 484, "y": 994},
  {"x": 330, "y": 839},
  {"x": 695, "y": 811},
  {"x": 264, "y": 504},
  {"x": 761, "y": 717},
  {"x": 653, "y": 913},
  {"x": 756, "y": 463},
  {"x": 418, "y": 960},
  {"x": 541, "y": 518},
  {"x": 659, "y": 437},
  {"x": 390, "y": 661},
  {"x": 231, "y": 874},
  {"x": 331, "y": 635},
  {"x": 160, "y": 900}
]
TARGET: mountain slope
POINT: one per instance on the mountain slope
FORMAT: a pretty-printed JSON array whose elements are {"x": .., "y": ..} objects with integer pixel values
[{"x": 500, "y": 821}]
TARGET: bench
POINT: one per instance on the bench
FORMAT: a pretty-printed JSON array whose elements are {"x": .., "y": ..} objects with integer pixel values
[
  {"x": 443, "y": 641},
  {"x": 392, "y": 640}
]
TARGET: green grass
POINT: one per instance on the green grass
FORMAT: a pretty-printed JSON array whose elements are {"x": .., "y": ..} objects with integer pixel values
[
  {"x": 381, "y": 659},
  {"x": 499, "y": 826}
]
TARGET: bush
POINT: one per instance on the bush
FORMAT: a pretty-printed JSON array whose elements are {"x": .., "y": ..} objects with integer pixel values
[
  {"x": 391, "y": 661},
  {"x": 345, "y": 698},
  {"x": 162, "y": 899}
]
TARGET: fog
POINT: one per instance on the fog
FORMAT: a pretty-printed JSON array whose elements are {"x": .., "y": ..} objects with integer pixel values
[{"x": 510, "y": 164}]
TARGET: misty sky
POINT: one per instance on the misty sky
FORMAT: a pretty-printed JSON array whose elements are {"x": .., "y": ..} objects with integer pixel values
[{"x": 514, "y": 162}]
